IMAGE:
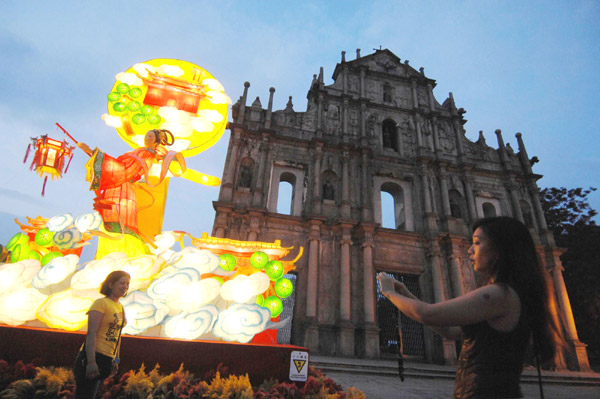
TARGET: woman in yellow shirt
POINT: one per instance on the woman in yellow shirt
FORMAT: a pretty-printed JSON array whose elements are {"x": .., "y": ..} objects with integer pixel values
[{"x": 106, "y": 319}]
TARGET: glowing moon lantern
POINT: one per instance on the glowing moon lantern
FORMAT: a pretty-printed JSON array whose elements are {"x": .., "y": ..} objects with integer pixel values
[{"x": 168, "y": 94}]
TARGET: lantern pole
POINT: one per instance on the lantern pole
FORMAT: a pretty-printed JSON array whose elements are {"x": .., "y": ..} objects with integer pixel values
[{"x": 67, "y": 133}]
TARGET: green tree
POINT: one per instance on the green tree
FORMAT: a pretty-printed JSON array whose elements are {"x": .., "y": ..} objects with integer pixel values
[{"x": 570, "y": 218}]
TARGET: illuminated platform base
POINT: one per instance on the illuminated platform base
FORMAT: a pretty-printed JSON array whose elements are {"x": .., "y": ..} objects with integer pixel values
[{"x": 58, "y": 348}]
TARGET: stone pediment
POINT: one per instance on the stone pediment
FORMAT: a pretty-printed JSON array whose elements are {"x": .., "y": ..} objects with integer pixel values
[{"x": 381, "y": 61}]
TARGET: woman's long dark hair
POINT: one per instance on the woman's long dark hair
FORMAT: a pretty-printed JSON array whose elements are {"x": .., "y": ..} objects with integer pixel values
[{"x": 517, "y": 265}]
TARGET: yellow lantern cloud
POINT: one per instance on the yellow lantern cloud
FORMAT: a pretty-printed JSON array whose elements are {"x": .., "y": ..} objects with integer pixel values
[
  {"x": 142, "y": 270},
  {"x": 191, "y": 297},
  {"x": 19, "y": 305},
  {"x": 65, "y": 310}
]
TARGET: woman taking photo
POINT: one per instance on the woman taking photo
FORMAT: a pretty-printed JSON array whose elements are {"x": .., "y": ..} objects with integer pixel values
[
  {"x": 99, "y": 356},
  {"x": 496, "y": 320}
]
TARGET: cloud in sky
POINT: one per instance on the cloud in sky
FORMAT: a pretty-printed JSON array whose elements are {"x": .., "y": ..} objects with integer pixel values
[{"x": 532, "y": 67}]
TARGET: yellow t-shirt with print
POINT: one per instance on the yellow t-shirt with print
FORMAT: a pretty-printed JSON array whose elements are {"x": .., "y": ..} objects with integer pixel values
[{"x": 110, "y": 325}]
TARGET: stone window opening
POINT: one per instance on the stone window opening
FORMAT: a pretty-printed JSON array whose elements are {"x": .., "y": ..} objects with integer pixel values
[
  {"x": 285, "y": 195},
  {"x": 245, "y": 176},
  {"x": 389, "y": 134},
  {"x": 456, "y": 204},
  {"x": 393, "y": 208},
  {"x": 489, "y": 210}
]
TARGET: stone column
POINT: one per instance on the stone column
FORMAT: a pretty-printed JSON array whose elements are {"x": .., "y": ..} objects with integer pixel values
[
  {"x": 319, "y": 115},
  {"x": 362, "y": 84},
  {"x": 419, "y": 134},
  {"x": 425, "y": 188},
  {"x": 269, "y": 109},
  {"x": 430, "y": 96},
  {"x": 227, "y": 191},
  {"x": 366, "y": 184},
  {"x": 346, "y": 329},
  {"x": 311, "y": 330},
  {"x": 414, "y": 94},
  {"x": 345, "y": 186},
  {"x": 439, "y": 295},
  {"x": 316, "y": 202},
  {"x": 517, "y": 212},
  {"x": 458, "y": 133},
  {"x": 470, "y": 198},
  {"x": 534, "y": 191},
  {"x": 577, "y": 347},
  {"x": 445, "y": 197},
  {"x": 364, "y": 140},
  {"x": 436, "y": 137},
  {"x": 371, "y": 338},
  {"x": 345, "y": 111},
  {"x": 263, "y": 156},
  {"x": 242, "y": 111}
]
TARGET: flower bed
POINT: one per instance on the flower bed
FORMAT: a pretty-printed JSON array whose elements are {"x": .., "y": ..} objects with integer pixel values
[{"x": 20, "y": 380}]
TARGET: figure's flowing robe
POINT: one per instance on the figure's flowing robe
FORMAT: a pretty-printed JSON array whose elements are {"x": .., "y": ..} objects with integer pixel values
[{"x": 112, "y": 179}]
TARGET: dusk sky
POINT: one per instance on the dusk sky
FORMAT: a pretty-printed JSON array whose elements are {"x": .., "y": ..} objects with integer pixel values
[{"x": 527, "y": 66}]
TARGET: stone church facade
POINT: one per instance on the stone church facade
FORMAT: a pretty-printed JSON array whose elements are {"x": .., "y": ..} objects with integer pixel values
[{"x": 377, "y": 129}]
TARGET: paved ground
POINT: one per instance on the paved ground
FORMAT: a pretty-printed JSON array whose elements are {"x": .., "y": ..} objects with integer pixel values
[{"x": 383, "y": 387}]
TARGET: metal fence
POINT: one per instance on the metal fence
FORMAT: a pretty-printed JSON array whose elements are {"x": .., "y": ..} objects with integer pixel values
[
  {"x": 391, "y": 321},
  {"x": 284, "y": 334}
]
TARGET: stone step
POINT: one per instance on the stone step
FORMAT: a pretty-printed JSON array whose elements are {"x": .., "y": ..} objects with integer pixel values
[{"x": 423, "y": 370}]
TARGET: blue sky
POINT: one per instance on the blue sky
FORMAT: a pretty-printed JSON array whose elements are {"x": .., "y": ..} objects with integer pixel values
[{"x": 530, "y": 67}]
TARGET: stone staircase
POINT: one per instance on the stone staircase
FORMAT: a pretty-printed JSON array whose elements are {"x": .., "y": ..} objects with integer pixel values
[{"x": 413, "y": 369}]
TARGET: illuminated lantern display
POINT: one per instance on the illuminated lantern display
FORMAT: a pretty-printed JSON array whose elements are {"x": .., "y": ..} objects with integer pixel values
[
  {"x": 192, "y": 325},
  {"x": 49, "y": 158},
  {"x": 18, "y": 275},
  {"x": 65, "y": 311},
  {"x": 20, "y": 305},
  {"x": 142, "y": 312}
]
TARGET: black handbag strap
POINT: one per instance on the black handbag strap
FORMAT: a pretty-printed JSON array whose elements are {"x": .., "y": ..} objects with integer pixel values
[
  {"x": 120, "y": 330},
  {"x": 539, "y": 372}
]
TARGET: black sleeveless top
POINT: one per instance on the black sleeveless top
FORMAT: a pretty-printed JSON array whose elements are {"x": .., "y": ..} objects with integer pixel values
[{"x": 491, "y": 361}]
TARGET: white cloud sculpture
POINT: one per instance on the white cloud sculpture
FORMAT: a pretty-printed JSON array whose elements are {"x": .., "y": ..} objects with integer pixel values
[
  {"x": 55, "y": 276},
  {"x": 241, "y": 322},
  {"x": 20, "y": 305},
  {"x": 200, "y": 259},
  {"x": 18, "y": 275},
  {"x": 242, "y": 288},
  {"x": 191, "y": 297},
  {"x": 142, "y": 312},
  {"x": 192, "y": 325},
  {"x": 171, "y": 279}
]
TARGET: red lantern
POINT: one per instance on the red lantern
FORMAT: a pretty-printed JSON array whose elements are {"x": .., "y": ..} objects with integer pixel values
[{"x": 50, "y": 156}]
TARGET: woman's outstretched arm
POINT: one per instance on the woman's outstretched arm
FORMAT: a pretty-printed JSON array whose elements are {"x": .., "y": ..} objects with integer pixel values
[{"x": 485, "y": 303}]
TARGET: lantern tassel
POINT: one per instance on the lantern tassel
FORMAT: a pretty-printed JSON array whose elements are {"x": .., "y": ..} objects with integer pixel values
[
  {"x": 44, "y": 186},
  {"x": 27, "y": 153}
]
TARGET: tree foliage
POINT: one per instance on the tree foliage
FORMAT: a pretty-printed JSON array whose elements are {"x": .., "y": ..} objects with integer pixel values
[{"x": 570, "y": 218}]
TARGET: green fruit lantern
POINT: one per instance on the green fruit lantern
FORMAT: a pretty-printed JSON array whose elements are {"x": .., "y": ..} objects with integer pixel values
[
  {"x": 227, "y": 262},
  {"x": 44, "y": 237},
  {"x": 48, "y": 257},
  {"x": 17, "y": 239},
  {"x": 274, "y": 304},
  {"x": 274, "y": 269},
  {"x": 284, "y": 287},
  {"x": 259, "y": 260}
]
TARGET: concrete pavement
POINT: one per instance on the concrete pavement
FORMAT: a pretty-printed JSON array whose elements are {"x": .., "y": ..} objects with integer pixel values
[{"x": 378, "y": 379}]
